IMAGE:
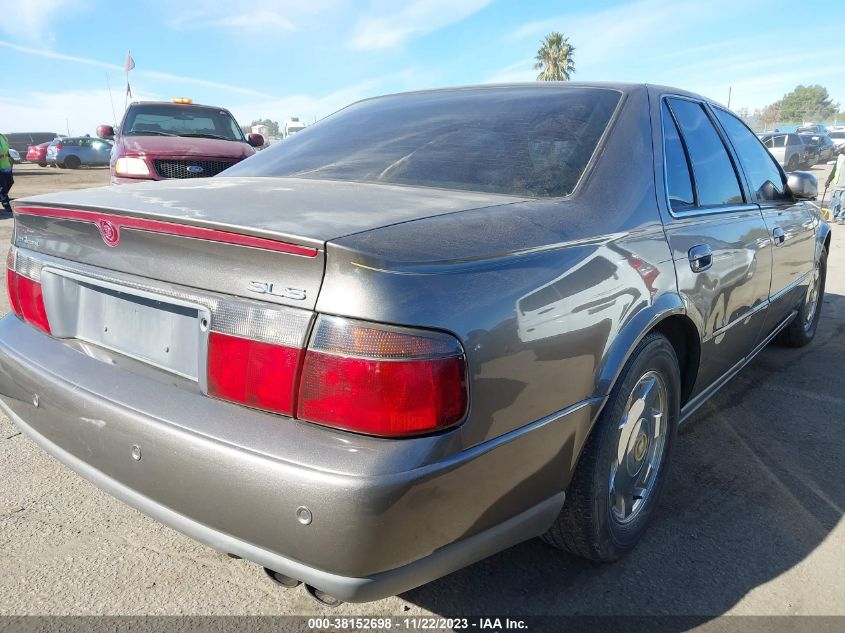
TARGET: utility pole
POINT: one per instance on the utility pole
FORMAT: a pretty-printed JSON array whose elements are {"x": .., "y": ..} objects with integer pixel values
[{"x": 729, "y": 96}]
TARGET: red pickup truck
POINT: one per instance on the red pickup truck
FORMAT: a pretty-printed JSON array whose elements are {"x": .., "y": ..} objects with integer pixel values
[{"x": 159, "y": 140}]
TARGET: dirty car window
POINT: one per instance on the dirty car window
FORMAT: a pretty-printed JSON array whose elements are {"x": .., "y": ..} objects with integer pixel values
[{"x": 534, "y": 142}]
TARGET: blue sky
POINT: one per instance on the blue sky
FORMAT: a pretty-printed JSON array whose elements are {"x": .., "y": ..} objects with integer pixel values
[{"x": 263, "y": 58}]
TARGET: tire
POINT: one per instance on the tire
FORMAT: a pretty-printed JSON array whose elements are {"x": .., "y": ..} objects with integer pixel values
[
  {"x": 792, "y": 164},
  {"x": 42, "y": 164},
  {"x": 72, "y": 162},
  {"x": 588, "y": 526},
  {"x": 803, "y": 328},
  {"x": 60, "y": 165}
]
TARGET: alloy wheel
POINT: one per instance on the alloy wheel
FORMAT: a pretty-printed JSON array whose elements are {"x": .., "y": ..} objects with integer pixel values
[
  {"x": 811, "y": 303},
  {"x": 640, "y": 448}
]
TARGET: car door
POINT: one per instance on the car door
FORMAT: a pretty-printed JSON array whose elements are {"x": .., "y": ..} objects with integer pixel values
[
  {"x": 87, "y": 154},
  {"x": 789, "y": 222},
  {"x": 718, "y": 239},
  {"x": 777, "y": 147},
  {"x": 101, "y": 152}
]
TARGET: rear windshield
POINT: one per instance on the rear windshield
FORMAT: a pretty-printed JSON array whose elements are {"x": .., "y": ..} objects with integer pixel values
[
  {"x": 164, "y": 119},
  {"x": 520, "y": 141}
]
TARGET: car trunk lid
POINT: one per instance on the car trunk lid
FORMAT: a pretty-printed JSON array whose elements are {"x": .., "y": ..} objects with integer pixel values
[{"x": 258, "y": 238}]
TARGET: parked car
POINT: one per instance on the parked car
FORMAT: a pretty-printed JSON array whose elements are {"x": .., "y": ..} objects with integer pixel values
[
  {"x": 812, "y": 152},
  {"x": 14, "y": 155},
  {"x": 78, "y": 151},
  {"x": 838, "y": 139},
  {"x": 811, "y": 129},
  {"x": 179, "y": 139},
  {"x": 22, "y": 140},
  {"x": 788, "y": 149},
  {"x": 822, "y": 146},
  {"x": 322, "y": 360},
  {"x": 38, "y": 154}
]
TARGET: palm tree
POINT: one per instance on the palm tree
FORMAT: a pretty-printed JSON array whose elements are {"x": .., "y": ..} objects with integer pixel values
[{"x": 554, "y": 59}]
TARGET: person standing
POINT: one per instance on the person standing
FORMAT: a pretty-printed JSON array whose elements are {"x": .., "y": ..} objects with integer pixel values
[
  {"x": 6, "y": 179},
  {"x": 837, "y": 180}
]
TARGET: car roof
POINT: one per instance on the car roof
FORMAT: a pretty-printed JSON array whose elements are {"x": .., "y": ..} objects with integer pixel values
[
  {"x": 624, "y": 87},
  {"x": 183, "y": 105},
  {"x": 78, "y": 138}
]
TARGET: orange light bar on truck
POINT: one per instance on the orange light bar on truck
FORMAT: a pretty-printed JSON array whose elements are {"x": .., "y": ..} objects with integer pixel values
[{"x": 183, "y": 100}]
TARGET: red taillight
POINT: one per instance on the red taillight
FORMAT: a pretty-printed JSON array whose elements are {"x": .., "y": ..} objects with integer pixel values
[
  {"x": 26, "y": 299},
  {"x": 252, "y": 373},
  {"x": 59, "y": 147},
  {"x": 380, "y": 380}
]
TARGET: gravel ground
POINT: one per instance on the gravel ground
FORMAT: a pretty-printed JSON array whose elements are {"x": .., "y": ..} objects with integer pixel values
[{"x": 751, "y": 522}]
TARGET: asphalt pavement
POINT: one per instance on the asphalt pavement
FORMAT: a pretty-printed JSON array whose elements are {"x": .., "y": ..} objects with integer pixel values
[{"x": 751, "y": 522}]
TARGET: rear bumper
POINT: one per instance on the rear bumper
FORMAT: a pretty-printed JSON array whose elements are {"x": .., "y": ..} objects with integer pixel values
[
  {"x": 387, "y": 515},
  {"x": 524, "y": 526}
]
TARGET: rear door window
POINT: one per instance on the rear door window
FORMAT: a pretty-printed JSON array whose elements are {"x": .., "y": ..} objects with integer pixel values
[
  {"x": 716, "y": 182},
  {"x": 678, "y": 178}
]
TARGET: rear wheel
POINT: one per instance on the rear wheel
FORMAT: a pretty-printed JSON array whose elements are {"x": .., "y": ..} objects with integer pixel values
[
  {"x": 621, "y": 472},
  {"x": 42, "y": 164},
  {"x": 803, "y": 327},
  {"x": 72, "y": 162}
]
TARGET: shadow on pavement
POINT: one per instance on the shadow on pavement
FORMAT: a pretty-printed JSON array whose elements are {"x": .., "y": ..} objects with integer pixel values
[{"x": 755, "y": 486}]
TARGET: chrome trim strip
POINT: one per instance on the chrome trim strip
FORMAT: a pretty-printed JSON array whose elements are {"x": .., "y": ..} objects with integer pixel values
[
  {"x": 758, "y": 308},
  {"x": 790, "y": 287},
  {"x": 691, "y": 406}
]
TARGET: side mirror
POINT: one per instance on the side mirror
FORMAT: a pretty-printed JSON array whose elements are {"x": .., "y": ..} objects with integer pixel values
[
  {"x": 803, "y": 185},
  {"x": 105, "y": 131},
  {"x": 256, "y": 140}
]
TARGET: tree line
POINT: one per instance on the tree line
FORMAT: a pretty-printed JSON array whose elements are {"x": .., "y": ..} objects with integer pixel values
[{"x": 804, "y": 104}]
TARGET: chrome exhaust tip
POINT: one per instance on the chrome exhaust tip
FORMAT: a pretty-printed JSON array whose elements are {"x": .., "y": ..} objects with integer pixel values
[
  {"x": 280, "y": 579},
  {"x": 323, "y": 598}
]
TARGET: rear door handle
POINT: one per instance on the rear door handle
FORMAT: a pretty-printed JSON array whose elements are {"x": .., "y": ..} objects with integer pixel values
[
  {"x": 700, "y": 258},
  {"x": 778, "y": 236}
]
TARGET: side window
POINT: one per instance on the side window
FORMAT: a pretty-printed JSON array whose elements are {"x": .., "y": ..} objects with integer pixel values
[
  {"x": 765, "y": 177},
  {"x": 678, "y": 180},
  {"x": 713, "y": 172}
]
